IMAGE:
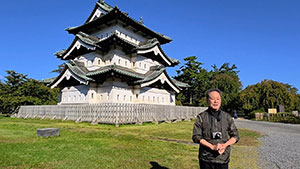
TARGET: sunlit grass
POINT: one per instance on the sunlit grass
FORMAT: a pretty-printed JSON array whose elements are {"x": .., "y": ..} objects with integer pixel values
[{"x": 84, "y": 145}]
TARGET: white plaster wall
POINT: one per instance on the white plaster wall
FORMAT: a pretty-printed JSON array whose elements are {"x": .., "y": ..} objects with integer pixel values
[
  {"x": 121, "y": 93},
  {"x": 111, "y": 92},
  {"x": 115, "y": 92},
  {"x": 93, "y": 61},
  {"x": 125, "y": 33},
  {"x": 156, "y": 96},
  {"x": 104, "y": 93},
  {"x": 139, "y": 63},
  {"x": 74, "y": 94},
  {"x": 143, "y": 64},
  {"x": 121, "y": 59}
]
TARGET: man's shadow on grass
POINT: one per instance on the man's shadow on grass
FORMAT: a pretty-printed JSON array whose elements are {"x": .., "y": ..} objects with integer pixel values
[{"x": 155, "y": 165}]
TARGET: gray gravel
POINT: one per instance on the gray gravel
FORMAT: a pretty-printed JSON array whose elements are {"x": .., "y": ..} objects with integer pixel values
[{"x": 281, "y": 143}]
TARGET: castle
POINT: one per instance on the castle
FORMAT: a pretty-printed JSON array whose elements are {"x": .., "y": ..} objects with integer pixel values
[{"x": 115, "y": 59}]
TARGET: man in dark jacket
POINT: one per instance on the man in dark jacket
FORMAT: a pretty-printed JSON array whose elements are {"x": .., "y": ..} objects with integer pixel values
[{"x": 215, "y": 131}]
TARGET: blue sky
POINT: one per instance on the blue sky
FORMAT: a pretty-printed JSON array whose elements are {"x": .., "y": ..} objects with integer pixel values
[{"x": 262, "y": 37}]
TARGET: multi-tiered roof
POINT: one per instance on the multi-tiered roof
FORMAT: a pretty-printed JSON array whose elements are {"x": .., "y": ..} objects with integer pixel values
[{"x": 85, "y": 41}]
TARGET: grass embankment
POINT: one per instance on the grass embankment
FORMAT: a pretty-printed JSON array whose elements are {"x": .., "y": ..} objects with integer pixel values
[{"x": 104, "y": 146}]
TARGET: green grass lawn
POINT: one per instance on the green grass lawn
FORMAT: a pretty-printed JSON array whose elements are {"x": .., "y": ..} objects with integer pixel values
[{"x": 104, "y": 146}]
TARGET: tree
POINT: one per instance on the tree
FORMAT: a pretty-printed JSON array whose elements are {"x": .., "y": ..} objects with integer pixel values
[
  {"x": 13, "y": 81},
  {"x": 227, "y": 80},
  {"x": 269, "y": 94},
  {"x": 197, "y": 77},
  {"x": 59, "y": 69},
  {"x": 250, "y": 98},
  {"x": 224, "y": 78},
  {"x": 19, "y": 90}
]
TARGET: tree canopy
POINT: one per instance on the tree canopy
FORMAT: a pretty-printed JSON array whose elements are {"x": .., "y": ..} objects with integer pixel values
[
  {"x": 224, "y": 78},
  {"x": 19, "y": 90},
  {"x": 259, "y": 97},
  {"x": 269, "y": 94}
]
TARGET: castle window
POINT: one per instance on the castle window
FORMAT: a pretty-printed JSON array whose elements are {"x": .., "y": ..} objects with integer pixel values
[
  {"x": 92, "y": 95},
  {"x": 124, "y": 98},
  {"x": 107, "y": 97},
  {"x": 133, "y": 63},
  {"x": 89, "y": 63},
  {"x": 125, "y": 63},
  {"x": 157, "y": 99},
  {"x": 140, "y": 64},
  {"x": 149, "y": 98},
  {"x": 118, "y": 97},
  {"x": 119, "y": 61},
  {"x": 163, "y": 99},
  {"x": 143, "y": 98},
  {"x": 145, "y": 66},
  {"x": 153, "y": 99},
  {"x": 131, "y": 98},
  {"x": 101, "y": 97},
  {"x": 136, "y": 95},
  {"x": 74, "y": 98},
  {"x": 99, "y": 61}
]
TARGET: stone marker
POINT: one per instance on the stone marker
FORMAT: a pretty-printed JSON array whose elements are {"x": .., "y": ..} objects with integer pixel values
[{"x": 47, "y": 132}]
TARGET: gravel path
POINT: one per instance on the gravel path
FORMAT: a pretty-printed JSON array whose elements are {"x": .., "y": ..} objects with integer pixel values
[{"x": 281, "y": 144}]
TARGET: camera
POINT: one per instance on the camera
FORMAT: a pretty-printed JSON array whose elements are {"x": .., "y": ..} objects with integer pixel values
[{"x": 216, "y": 135}]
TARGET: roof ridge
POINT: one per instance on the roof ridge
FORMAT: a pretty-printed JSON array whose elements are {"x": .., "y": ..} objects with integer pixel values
[
  {"x": 164, "y": 38},
  {"x": 103, "y": 5}
]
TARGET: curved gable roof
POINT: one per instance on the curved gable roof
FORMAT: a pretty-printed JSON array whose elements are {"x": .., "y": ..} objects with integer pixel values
[
  {"x": 81, "y": 40},
  {"x": 153, "y": 46},
  {"x": 99, "y": 5},
  {"x": 158, "y": 75},
  {"x": 116, "y": 14},
  {"x": 71, "y": 70}
]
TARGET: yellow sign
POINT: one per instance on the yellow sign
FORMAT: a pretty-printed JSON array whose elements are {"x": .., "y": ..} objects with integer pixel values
[{"x": 272, "y": 111}]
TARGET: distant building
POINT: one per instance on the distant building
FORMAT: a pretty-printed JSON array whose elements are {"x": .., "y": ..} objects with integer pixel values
[{"x": 115, "y": 59}]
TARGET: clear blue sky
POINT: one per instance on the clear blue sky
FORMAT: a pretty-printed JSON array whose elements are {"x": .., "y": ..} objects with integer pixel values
[{"x": 262, "y": 37}]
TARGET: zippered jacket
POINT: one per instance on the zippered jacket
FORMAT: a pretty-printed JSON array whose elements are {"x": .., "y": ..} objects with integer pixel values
[{"x": 206, "y": 124}]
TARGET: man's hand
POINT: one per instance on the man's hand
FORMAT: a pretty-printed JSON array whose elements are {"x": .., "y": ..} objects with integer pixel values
[
  {"x": 221, "y": 148},
  {"x": 215, "y": 147}
]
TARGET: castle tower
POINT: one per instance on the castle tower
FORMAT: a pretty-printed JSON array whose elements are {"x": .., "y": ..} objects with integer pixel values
[{"x": 115, "y": 59}]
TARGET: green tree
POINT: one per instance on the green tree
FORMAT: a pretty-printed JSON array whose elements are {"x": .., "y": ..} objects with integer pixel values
[
  {"x": 224, "y": 78},
  {"x": 250, "y": 98},
  {"x": 59, "y": 69},
  {"x": 269, "y": 94},
  {"x": 18, "y": 90},
  {"x": 197, "y": 77},
  {"x": 13, "y": 81},
  {"x": 227, "y": 80}
]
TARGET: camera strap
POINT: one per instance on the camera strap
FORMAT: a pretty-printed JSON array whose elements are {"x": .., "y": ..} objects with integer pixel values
[{"x": 215, "y": 121}]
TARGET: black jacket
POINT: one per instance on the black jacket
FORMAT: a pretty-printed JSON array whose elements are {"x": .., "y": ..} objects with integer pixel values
[{"x": 209, "y": 122}]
